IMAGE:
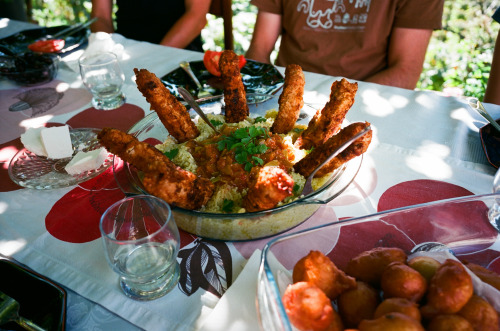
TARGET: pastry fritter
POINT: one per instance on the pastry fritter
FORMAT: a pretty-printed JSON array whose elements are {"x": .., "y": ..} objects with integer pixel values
[
  {"x": 391, "y": 322},
  {"x": 486, "y": 275},
  {"x": 291, "y": 100},
  {"x": 449, "y": 290},
  {"x": 425, "y": 265},
  {"x": 234, "y": 91},
  {"x": 328, "y": 121},
  {"x": 308, "y": 308},
  {"x": 449, "y": 322},
  {"x": 398, "y": 305},
  {"x": 162, "y": 178},
  {"x": 401, "y": 281},
  {"x": 171, "y": 112},
  {"x": 369, "y": 265},
  {"x": 318, "y": 269},
  {"x": 480, "y": 314},
  {"x": 357, "y": 304},
  {"x": 306, "y": 166}
]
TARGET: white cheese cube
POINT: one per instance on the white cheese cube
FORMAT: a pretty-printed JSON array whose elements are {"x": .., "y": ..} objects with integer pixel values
[
  {"x": 32, "y": 141},
  {"x": 57, "y": 142},
  {"x": 85, "y": 161}
]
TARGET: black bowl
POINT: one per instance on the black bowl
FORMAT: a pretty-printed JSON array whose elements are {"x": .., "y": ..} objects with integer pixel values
[{"x": 490, "y": 139}]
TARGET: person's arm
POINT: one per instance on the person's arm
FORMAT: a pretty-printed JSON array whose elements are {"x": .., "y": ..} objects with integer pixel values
[
  {"x": 265, "y": 34},
  {"x": 406, "y": 56},
  {"x": 189, "y": 25},
  {"x": 102, "y": 9},
  {"x": 492, "y": 94}
]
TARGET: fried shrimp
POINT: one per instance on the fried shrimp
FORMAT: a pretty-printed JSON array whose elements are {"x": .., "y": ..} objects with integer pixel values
[
  {"x": 290, "y": 100},
  {"x": 171, "y": 112},
  {"x": 162, "y": 177},
  {"x": 306, "y": 166},
  {"x": 271, "y": 185},
  {"x": 328, "y": 121},
  {"x": 234, "y": 91}
]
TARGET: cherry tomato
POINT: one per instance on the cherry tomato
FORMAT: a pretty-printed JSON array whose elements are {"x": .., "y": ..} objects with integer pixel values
[
  {"x": 211, "y": 62},
  {"x": 47, "y": 46}
]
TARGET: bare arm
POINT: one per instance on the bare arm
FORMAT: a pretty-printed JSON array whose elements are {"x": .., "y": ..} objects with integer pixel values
[
  {"x": 189, "y": 25},
  {"x": 492, "y": 94},
  {"x": 406, "y": 56},
  {"x": 102, "y": 9},
  {"x": 265, "y": 34}
]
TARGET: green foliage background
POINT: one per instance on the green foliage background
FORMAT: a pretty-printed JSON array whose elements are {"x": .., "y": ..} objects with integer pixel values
[{"x": 458, "y": 60}]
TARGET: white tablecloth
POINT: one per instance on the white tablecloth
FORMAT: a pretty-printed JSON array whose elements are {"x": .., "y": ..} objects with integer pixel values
[{"x": 418, "y": 136}]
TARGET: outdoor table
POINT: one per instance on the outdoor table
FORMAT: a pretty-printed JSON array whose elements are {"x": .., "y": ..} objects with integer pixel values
[{"x": 425, "y": 147}]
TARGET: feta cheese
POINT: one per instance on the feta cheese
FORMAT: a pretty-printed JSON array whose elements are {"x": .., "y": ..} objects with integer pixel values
[
  {"x": 86, "y": 161},
  {"x": 57, "y": 142},
  {"x": 32, "y": 141}
]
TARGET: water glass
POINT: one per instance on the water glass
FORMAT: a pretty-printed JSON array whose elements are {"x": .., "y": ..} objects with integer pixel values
[
  {"x": 141, "y": 242},
  {"x": 102, "y": 75},
  {"x": 494, "y": 212}
]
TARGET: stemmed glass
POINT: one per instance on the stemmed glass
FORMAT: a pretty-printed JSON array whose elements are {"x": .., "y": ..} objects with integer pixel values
[
  {"x": 141, "y": 242},
  {"x": 102, "y": 75}
]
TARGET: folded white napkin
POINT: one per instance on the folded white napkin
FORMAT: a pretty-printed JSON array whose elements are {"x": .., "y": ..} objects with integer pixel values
[{"x": 236, "y": 309}]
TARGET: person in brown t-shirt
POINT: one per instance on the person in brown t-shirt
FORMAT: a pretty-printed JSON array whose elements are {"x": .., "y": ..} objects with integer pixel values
[{"x": 381, "y": 41}]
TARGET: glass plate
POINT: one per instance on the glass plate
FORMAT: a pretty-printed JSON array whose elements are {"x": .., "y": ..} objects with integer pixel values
[
  {"x": 19, "y": 41},
  {"x": 262, "y": 78},
  {"x": 38, "y": 172}
]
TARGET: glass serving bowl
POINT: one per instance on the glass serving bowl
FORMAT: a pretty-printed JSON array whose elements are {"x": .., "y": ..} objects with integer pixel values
[
  {"x": 459, "y": 226},
  {"x": 30, "y": 68},
  {"x": 239, "y": 226}
]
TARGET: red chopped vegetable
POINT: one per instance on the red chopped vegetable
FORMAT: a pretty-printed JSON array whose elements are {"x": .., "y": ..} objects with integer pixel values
[{"x": 47, "y": 46}]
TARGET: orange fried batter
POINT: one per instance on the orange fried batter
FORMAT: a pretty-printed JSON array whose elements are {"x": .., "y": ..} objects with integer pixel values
[
  {"x": 328, "y": 121},
  {"x": 358, "y": 304},
  {"x": 162, "y": 177},
  {"x": 306, "y": 166},
  {"x": 272, "y": 185},
  {"x": 480, "y": 314},
  {"x": 486, "y": 275},
  {"x": 171, "y": 112},
  {"x": 290, "y": 100},
  {"x": 401, "y": 281},
  {"x": 234, "y": 91}
]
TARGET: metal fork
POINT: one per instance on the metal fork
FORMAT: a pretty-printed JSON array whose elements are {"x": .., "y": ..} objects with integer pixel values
[
  {"x": 202, "y": 93},
  {"x": 9, "y": 312}
]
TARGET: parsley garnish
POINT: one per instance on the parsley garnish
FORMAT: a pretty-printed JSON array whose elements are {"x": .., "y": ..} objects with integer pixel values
[
  {"x": 171, "y": 153},
  {"x": 260, "y": 119},
  {"x": 215, "y": 122},
  {"x": 245, "y": 143},
  {"x": 227, "y": 205},
  {"x": 297, "y": 130},
  {"x": 296, "y": 188}
]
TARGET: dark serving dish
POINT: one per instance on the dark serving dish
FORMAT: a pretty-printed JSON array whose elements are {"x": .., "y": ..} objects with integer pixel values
[
  {"x": 41, "y": 300},
  {"x": 257, "y": 77},
  {"x": 461, "y": 224},
  {"x": 30, "y": 68},
  {"x": 490, "y": 139}
]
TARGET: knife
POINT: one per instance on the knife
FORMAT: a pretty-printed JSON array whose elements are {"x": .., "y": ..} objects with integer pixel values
[{"x": 190, "y": 100}]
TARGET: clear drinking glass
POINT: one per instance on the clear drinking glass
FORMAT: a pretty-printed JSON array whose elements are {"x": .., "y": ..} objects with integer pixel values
[
  {"x": 102, "y": 75},
  {"x": 141, "y": 242},
  {"x": 494, "y": 212}
]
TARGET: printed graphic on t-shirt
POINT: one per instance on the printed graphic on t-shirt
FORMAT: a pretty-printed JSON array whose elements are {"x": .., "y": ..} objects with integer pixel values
[{"x": 338, "y": 14}]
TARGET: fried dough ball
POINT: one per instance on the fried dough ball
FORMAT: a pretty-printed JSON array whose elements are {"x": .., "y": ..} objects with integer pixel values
[
  {"x": 398, "y": 305},
  {"x": 319, "y": 270},
  {"x": 401, "y": 281},
  {"x": 449, "y": 290},
  {"x": 426, "y": 265},
  {"x": 308, "y": 308},
  {"x": 449, "y": 322},
  {"x": 480, "y": 314},
  {"x": 391, "y": 322},
  {"x": 369, "y": 265},
  {"x": 357, "y": 304},
  {"x": 486, "y": 275}
]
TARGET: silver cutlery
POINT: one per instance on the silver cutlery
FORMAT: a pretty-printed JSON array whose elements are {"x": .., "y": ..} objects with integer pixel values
[
  {"x": 190, "y": 100},
  {"x": 475, "y": 104},
  {"x": 9, "y": 312},
  {"x": 202, "y": 93},
  {"x": 308, "y": 189}
]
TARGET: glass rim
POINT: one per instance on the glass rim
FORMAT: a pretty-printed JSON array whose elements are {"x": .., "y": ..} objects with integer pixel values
[
  {"x": 168, "y": 220},
  {"x": 84, "y": 57}
]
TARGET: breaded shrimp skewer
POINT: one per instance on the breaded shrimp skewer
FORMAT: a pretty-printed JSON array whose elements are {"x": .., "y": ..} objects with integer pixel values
[
  {"x": 290, "y": 100},
  {"x": 306, "y": 166},
  {"x": 328, "y": 121},
  {"x": 162, "y": 177},
  {"x": 271, "y": 185},
  {"x": 234, "y": 90},
  {"x": 171, "y": 112}
]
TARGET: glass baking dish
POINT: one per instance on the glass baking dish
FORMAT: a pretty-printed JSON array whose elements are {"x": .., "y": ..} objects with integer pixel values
[{"x": 460, "y": 226}]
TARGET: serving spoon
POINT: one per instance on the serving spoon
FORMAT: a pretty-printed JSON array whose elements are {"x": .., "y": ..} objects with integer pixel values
[
  {"x": 308, "y": 189},
  {"x": 190, "y": 100},
  {"x": 187, "y": 68},
  {"x": 475, "y": 104}
]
